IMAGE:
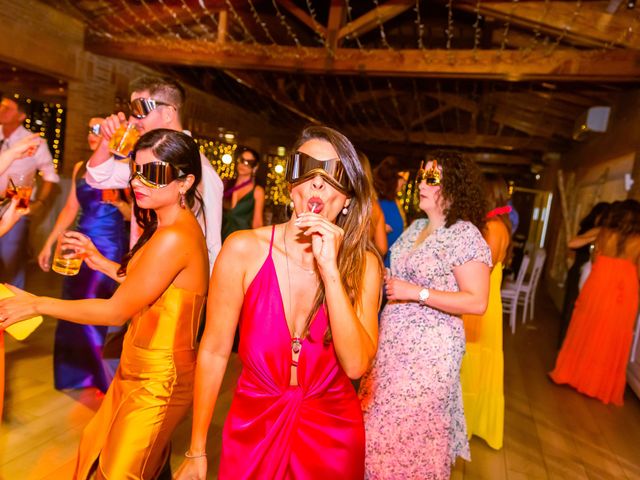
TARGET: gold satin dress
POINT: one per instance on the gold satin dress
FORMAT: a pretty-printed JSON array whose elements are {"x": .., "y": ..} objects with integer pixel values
[{"x": 151, "y": 392}]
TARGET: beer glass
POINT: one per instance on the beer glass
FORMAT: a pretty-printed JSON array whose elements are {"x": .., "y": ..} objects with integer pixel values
[
  {"x": 124, "y": 139},
  {"x": 66, "y": 261}
]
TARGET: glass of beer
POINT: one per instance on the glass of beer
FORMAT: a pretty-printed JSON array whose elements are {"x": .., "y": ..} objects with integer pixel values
[
  {"x": 21, "y": 186},
  {"x": 66, "y": 261},
  {"x": 124, "y": 139}
]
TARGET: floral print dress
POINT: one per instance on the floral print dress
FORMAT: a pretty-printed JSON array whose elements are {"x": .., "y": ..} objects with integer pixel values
[{"x": 411, "y": 397}]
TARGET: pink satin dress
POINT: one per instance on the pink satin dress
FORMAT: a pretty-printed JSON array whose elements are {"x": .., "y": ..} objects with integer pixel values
[{"x": 274, "y": 430}]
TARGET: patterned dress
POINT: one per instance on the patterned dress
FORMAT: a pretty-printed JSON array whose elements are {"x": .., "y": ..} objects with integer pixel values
[{"x": 411, "y": 397}]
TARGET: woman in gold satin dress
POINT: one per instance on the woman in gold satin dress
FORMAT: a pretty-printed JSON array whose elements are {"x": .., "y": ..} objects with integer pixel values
[{"x": 166, "y": 276}]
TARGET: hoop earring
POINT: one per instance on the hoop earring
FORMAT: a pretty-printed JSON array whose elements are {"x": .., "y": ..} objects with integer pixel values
[{"x": 183, "y": 203}]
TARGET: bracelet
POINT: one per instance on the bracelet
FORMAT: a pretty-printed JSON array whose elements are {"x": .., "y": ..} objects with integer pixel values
[{"x": 186, "y": 454}]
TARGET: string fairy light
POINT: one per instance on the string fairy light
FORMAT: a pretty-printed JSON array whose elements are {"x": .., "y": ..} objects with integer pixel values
[
  {"x": 261, "y": 23},
  {"x": 290, "y": 32},
  {"x": 383, "y": 34},
  {"x": 322, "y": 39}
]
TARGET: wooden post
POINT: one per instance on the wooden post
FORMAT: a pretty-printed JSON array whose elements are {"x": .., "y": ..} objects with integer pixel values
[{"x": 222, "y": 26}]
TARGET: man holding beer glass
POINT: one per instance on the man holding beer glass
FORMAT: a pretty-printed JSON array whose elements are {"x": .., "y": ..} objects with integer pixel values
[
  {"x": 17, "y": 180},
  {"x": 156, "y": 102}
]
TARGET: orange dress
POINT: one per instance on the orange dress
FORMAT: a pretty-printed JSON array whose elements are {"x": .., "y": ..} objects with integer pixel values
[
  {"x": 1, "y": 373},
  {"x": 151, "y": 392},
  {"x": 594, "y": 356}
]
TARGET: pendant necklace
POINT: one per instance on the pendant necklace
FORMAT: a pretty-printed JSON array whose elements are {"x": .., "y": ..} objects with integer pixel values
[{"x": 296, "y": 341}]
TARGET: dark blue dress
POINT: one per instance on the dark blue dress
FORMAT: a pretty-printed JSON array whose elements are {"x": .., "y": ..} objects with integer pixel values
[
  {"x": 77, "y": 356},
  {"x": 393, "y": 218}
]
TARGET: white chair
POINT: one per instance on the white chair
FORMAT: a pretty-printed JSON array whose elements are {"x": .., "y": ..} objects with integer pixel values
[
  {"x": 510, "y": 293},
  {"x": 527, "y": 296}
]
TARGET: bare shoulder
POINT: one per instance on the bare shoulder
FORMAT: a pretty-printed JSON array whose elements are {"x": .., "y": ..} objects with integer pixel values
[
  {"x": 247, "y": 243},
  {"x": 373, "y": 265}
]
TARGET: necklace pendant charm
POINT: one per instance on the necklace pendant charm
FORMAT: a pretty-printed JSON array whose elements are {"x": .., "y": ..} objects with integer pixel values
[{"x": 296, "y": 345}]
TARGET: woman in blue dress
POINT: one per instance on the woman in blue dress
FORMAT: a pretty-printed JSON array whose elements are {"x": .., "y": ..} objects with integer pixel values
[
  {"x": 388, "y": 181},
  {"x": 77, "y": 356}
]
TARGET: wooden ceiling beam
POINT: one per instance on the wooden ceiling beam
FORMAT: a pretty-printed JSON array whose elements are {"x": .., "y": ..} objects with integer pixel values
[
  {"x": 569, "y": 64},
  {"x": 374, "y": 18},
  {"x": 303, "y": 16},
  {"x": 458, "y": 101},
  {"x": 529, "y": 102},
  {"x": 264, "y": 90},
  {"x": 461, "y": 140},
  {"x": 531, "y": 124},
  {"x": 337, "y": 17},
  {"x": 499, "y": 158},
  {"x": 428, "y": 116},
  {"x": 586, "y": 24}
]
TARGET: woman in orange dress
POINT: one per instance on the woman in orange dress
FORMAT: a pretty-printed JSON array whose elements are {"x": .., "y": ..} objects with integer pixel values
[
  {"x": 163, "y": 294},
  {"x": 594, "y": 355}
]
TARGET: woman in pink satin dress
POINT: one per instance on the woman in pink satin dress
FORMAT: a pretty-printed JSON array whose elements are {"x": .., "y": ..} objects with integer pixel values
[{"x": 306, "y": 294}]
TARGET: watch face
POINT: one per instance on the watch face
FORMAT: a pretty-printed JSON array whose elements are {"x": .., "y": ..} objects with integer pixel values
[{"x": 424, "y": 294}]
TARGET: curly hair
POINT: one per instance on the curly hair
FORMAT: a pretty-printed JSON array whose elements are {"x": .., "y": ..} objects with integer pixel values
[{"x": 462, "y": 188}]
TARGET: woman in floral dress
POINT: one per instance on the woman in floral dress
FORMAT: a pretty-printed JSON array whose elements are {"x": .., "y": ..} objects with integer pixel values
[{"x": 411, "y": 397}]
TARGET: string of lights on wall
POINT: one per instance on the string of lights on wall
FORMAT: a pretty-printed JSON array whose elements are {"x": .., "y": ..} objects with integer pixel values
[{"x": 47, "y": 119}]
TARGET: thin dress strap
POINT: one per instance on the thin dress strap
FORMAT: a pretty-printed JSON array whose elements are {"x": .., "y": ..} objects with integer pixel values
[{"x": 273, "y": 232}]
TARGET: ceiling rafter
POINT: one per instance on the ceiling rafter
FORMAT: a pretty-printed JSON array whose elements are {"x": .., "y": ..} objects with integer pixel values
[
  {"x": 464, "y": 140},
  {"x": 373, "y": 18},
  {"x": 562, "y": 64},
  {"x": 337, "y": 17},
  {"x": 590, "y": 25},
  {"x": 304, "y": 17},
  {"x": 264, "y": 90}
]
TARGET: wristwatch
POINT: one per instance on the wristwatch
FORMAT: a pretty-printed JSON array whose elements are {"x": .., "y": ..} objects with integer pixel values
[{"x": 423, "y": 296}]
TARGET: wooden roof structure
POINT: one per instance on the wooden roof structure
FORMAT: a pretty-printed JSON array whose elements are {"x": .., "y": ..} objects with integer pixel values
[{"x": 504, "y": 80}]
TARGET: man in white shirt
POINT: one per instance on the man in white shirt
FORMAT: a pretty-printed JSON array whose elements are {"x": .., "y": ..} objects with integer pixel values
[
  {"x": 13, "y": 245},
  {"x": 156, "y": 102}
]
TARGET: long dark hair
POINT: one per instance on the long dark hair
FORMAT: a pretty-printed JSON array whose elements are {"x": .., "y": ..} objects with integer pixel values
[
  {"x": 356, "y": 242},
  {"x": 623, "y": 218},
  {"x": 594, "y": 217},
  {"x": 181, "y": 151},
  {"x": 385, "y": 178},
  {"x": 462, "y": 187}
]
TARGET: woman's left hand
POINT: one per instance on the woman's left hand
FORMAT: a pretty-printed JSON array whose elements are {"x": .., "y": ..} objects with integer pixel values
[
  {"x": 401, "y": 290},
  {"x": 326, "y": 238},
  {"x": 18, "y": 308}
]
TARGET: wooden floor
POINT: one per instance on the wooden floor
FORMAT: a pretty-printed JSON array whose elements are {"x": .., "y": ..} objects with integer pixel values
[{"x": 550, "y": 431}]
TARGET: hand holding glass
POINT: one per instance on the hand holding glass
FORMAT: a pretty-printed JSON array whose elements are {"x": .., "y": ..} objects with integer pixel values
[
  {"x": 66, "y": 260},
  {"x": 123, "y": 140},
  {"x": 21, "y": 186}
]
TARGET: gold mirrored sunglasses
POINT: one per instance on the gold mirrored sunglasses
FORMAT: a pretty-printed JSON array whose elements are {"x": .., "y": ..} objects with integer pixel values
[{"x": 431, "y": 176}]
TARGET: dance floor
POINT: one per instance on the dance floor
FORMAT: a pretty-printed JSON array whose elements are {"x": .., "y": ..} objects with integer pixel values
[{"x": 550, "y": 431}]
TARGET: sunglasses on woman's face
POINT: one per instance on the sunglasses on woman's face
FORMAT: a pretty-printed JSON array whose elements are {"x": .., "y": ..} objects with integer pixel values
[
  {"x": 155, "y": 174},
  {"x": 249, "y": 162},
  {"x": 430, "y": 176},
  {"x": 302, "y": 167},
  {"x": 95, "y": 129},
  {"x": 141, "y": 107}
]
